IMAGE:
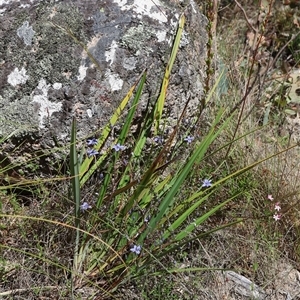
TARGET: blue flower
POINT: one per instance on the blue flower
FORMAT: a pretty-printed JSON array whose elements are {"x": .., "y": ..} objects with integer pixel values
[
  {"x": 92, "y": 142},
  {"x": 84, "y": 206},
  {"x": 118, "y": 147},
  {"x": 92, "y": 152},
  {"x": 206, "y": 183},
  {"x": 147, "y": 219},
  {"x": 158, "y": 140},
  {"x": 136, "y": 249},
  {"x": 189, "y": 139}
]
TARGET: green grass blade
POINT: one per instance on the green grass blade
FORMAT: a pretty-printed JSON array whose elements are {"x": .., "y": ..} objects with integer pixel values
[
  {"x": 85, "y": 170},
  {"x": 127, "y": 124},
  {"x": 169, "y": 199},
  {"x": 185, "y": 232},
  {"x": 74, "y": 167},
  {"x": 190, "y": 210},
  {"x": 133, "y": 108},
  {"x": 165, "y": 83},
  {"x": 121, "y": 140}
]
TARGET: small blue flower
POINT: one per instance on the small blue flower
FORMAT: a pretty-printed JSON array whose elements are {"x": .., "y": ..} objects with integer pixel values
[
  {"x": 136, "y": 249},
  {"x": 147, "y": 219},
  {"x": 189, "y": 139},
  {"x": 92, "y": 152},
  {"x": 158, "y": 140},
  {"x": 118, "y": 147},
  {"x": 85, "y": 206},
  {"x": 92, "y": 142},
  {"x": 206, "y": 183}
]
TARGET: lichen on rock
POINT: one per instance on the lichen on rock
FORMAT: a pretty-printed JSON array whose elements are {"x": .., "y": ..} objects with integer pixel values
[{"x": 43, "y": 43}]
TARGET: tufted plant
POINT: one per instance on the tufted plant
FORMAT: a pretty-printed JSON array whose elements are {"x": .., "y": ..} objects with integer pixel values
[
  {"x": 150, "y": 192},
  {"x": 141, "y": 214}
]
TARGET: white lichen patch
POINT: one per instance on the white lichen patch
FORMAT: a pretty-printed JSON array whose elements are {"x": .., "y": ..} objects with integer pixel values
[
  {"x": 82, "y": 72},
  {"x": 24, "y": 5},
  {"x": 5, "y": 2},
  {"x": 26, "y": 33},
  {"x": 129, "y": 63},
  {"x": 89, "y": 113},
  {"x": 47, "y": 108},
  {"x": 144, "y": 8},
  {"x": 115, "y": 82},
  {"x": 57, "y": 85},
  {"x": 161, "y": 35},
  {"x": 17, "y": 77},
  {"x": 184, "y": 41},
  {"x": 111, "y": 53},
  {"x": 2, "y": 10},
  {"x": 2, "y": 2}
]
